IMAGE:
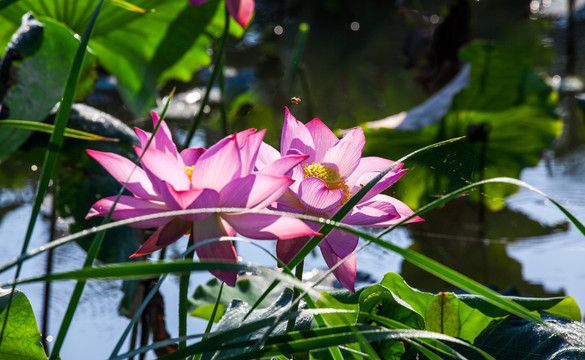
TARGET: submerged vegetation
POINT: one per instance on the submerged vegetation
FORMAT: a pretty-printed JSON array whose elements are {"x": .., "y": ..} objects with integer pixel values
[{"x": 203, "y": 171}]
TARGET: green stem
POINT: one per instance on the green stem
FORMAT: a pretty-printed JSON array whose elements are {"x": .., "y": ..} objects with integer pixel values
[
  {"x": 222, "y": 110},
  {"x": 299, "y": 49},
  {"x": 183, "y": 296},
  {"x": 216, "y": 68},
  {"x": 133, "y": 339},
  {"x": 290, "y": 326}
]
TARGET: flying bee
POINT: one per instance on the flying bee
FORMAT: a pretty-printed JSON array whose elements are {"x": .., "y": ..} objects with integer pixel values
[{"x": 295, "y": 100}]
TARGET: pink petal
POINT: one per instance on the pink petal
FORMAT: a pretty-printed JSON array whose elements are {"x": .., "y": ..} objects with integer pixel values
[
  {"x": 283, "y": 165},
  {"x": 126, "y": 173},
  {"x": 296, "y": 139},
  {"x": 268, "y": 227},
  {"x": 241, "y": 10},
  {"x": 339, "y": 242},
  {"x": 162, "y": 167},
  {"x": 289, "y": 203},
  {"x": 369, "y": 168},
  {"x": 191, "y": 155},
  {"x": 402, "y": 209},
  {"x": 266, "y": 155},
  {"x": 249, "y": 143},
  {"x": 229, "y": 230},
  {"x": 346, "y": 272},
  {"x": 190, "y": 199},
  {"x": 218, "y": 165},
  {"x": 163, "y": 139},
  {"x": 345, "y": 156},
  {"x": 372, "y": 214},
  {"x": 298, "y": 175},
  {"x": 253, "y": 191},
  {"x": 241, "y": 136},
  {"x": 164, "y": 236},
  {"x": 316, "y": 197},
  {"x": 211, "y": 228},
  {"x": 130, "y": 207},
  {"x": 143, "y": 136},
  {"x": 322, "y": 136},
  {"x": 286, "y": 250}
]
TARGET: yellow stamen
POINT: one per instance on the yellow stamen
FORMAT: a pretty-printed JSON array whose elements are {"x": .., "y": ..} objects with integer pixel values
[
  {"x": 329, "y": 176},
  {"x": 189, "y": 171}
]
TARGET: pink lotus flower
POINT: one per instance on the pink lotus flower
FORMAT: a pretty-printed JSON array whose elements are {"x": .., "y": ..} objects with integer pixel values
[
  {"x": 240, "y": 10},
  {"x": 221, "y": 176},
  {"x": 332, "y": 173}
]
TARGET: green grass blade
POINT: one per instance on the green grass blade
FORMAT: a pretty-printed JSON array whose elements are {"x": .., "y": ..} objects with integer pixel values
[
  {"x": 55, "y": 141},
  {"x": 139, "y": 270},
  {"x": 215, "y": 307},
  {"x": 364, "y": 344},
  {"x": 49, "y": 128},
  {"x": 217, "y": 340},
  {"x": 299, "y": 342},
  {"x": 60, "y": 122}
]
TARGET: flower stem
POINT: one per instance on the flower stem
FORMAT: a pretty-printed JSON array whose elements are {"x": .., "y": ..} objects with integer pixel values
[
  {"x": 296, "y": 293},
  {"x": 183, "y": 294}
]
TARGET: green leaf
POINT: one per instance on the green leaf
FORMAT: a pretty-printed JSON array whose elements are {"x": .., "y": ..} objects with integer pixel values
[
  {"x": 143, "y": 50},
  {"x": 168, "y": 43},
  {"x": 344, "y": 300},
  {"x": 247, "y": 289},
  {"x": 22, "y": 339},
  {"x": 5, "y": 3},
  {"x": 419, "y": 300},
  {"x": 450, "y": 316},
  {"x": 443, "y": 313},
  {"x": 502, "y": 77},
  {"x": 561, "y": 306},
  {"x": 379, "y": 300},
  {"x": 40, "y": 81}
]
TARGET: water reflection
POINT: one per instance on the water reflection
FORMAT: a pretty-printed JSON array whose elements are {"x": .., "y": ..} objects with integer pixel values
[{"x": 455, "y": 236}]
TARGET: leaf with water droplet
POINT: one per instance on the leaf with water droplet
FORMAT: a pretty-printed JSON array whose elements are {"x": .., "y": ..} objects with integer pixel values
[{"x": 21, "y": 339}]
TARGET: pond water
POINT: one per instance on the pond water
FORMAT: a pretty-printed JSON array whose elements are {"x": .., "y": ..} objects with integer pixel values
[{"x": 528, "y": 248}]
